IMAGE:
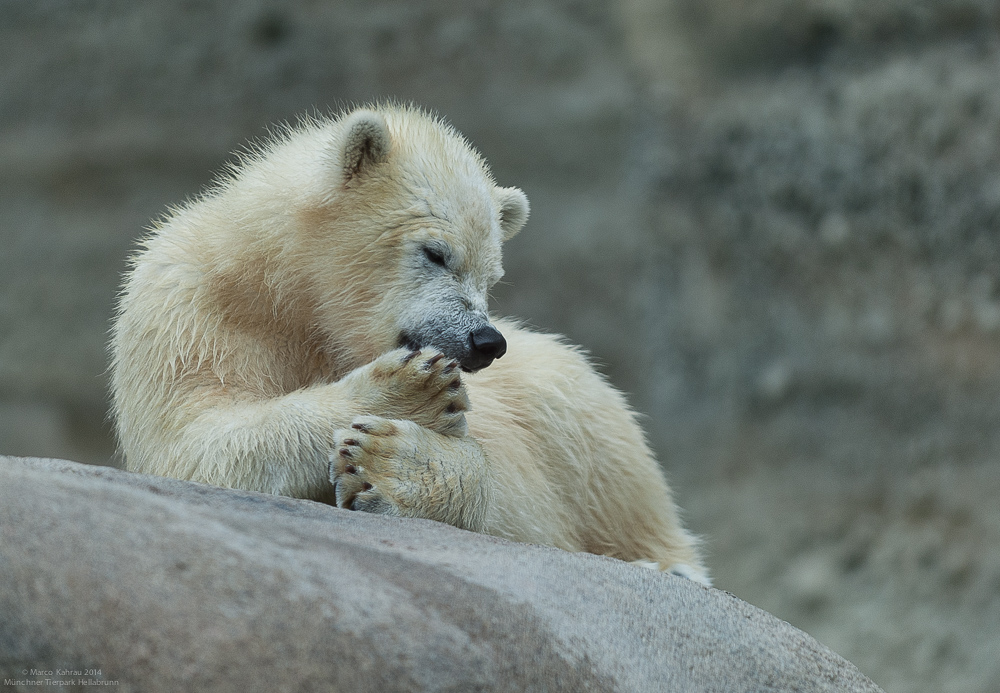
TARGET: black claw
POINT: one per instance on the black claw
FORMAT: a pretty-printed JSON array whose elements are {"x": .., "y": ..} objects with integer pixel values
[
  {"x": 366, "y": 486},
  {"x": 410, "y": 356},
  {"x": 360, "y": 427},
  {"x": 350, "y": 469}
]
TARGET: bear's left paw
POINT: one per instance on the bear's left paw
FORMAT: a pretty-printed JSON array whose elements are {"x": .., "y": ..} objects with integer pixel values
[
  {"x": 398, "y": 467},
  {"x": 369, "y": 466}
]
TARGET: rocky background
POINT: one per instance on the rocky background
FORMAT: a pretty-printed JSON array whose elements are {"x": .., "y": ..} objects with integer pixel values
[{"x": 776, "y": 224}]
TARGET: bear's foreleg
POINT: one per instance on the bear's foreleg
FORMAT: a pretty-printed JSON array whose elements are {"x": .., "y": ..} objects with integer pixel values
[{"x": 281, "y": 445}]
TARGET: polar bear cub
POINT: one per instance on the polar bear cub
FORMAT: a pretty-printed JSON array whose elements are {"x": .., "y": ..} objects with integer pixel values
[{"x": 316, "y": 326}]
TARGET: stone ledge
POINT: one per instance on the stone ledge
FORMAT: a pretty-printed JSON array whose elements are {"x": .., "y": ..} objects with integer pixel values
[{"x": 167, "y": 585}]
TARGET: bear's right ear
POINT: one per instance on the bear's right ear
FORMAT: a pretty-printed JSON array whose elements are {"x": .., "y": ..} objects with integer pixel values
[{"x": 365, "y": 145}]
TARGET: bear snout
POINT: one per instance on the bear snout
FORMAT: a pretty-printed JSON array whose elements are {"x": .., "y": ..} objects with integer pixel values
[
  {"x": 485, "y": 344},
  {"x": 481, "y": 346}
]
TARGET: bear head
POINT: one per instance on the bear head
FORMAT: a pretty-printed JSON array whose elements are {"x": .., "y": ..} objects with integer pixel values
[{"x": 408, "y": 239}]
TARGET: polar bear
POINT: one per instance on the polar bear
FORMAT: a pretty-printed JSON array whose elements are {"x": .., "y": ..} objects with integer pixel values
[{"x": 315, "y": 325}]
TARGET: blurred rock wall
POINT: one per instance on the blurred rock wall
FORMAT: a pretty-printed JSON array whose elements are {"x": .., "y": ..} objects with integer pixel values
[
  {"x": 775, "y": 224},
  {"x": 824, "y": 203}
]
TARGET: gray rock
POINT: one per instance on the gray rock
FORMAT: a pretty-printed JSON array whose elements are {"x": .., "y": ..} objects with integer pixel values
[{"x": 170, "y": 585}]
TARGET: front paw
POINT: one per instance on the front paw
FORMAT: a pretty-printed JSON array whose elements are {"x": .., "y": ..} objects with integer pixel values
[
  {"x": 361, "y": 466},
  {"x": 421, "y": 386},
  {"x": 396, "y": 467}
]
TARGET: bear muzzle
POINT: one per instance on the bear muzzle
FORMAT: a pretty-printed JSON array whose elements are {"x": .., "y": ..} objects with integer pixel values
[
  {"x": 485, "y": 344},
  {"x": 480, "y": 348}
]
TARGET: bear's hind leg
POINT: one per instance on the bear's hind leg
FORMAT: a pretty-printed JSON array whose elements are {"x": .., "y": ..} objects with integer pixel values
[{"x": 679, "y": 569}]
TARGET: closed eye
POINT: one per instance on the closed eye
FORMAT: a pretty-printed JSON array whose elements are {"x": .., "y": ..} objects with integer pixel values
[{"x": 435, "y": 256}]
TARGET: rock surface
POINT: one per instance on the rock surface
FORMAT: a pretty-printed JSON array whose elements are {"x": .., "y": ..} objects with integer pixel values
[{"x": 166, "y": 585}]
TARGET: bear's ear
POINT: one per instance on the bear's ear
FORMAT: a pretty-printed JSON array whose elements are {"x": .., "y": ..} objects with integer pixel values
[
  {"x": 366, "y": 143},
  {"x": 513, "y": 211}
]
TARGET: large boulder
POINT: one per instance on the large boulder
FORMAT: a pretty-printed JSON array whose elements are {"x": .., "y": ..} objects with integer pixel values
[{"x": 166, "y": 585}]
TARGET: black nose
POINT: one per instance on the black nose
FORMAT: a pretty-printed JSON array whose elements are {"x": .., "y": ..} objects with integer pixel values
[{"x": 485, "y": 344}]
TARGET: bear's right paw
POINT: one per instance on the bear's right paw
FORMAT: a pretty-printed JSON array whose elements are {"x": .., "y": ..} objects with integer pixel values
[{"x": 421, "y": 386}]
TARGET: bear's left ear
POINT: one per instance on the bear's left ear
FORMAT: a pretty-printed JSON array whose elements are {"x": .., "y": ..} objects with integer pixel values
[
  {"x": 513, "y": 211},
  {"x": 366, "y": 143}
]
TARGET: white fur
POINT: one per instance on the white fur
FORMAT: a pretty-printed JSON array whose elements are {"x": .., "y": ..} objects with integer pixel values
[{"x": 254, "y": 343}]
